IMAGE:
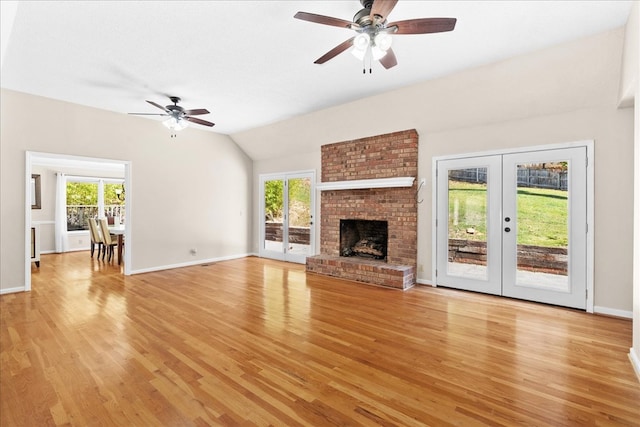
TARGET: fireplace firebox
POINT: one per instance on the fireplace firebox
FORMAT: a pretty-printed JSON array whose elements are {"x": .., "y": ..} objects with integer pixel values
[{"x": 363, "y": 238}]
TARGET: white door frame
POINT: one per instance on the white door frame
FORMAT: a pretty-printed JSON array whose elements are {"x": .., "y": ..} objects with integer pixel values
[
  {"x": 588, "y": 144},
  {"x": 30, "y": 155},
  {"x": 284, "y": 176}
]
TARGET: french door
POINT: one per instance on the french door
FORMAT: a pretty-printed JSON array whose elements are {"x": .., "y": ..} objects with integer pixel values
[
  {"x": 286, "y": 212},
  {"x": 514, "y": 225}
]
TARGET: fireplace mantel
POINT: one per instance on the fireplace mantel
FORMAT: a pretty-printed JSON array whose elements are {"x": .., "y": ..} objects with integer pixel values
[{"x": 357, "y": 184}]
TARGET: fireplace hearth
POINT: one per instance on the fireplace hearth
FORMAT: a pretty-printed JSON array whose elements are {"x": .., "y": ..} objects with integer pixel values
[{"x": 363, "y": 238}]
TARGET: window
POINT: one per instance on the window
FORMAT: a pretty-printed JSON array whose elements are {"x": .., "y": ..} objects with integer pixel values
[{"x": 93, "y": 198}]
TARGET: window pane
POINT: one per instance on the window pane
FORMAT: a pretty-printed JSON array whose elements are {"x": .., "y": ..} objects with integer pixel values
[
  {"x": 468, "y": 200},
  {"x": 543, "y": 226},
  {"x": 82, "y": 204},
  {"x": 114, "y": 200}
]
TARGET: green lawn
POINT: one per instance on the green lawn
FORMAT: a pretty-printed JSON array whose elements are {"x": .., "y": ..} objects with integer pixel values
[{"x": 542, "y": 214}]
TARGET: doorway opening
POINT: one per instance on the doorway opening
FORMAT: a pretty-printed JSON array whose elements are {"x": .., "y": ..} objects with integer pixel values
[{"x": 46, "y": 224}]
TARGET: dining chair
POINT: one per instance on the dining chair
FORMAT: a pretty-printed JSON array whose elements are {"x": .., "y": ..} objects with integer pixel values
[
  {"x": 107, "y": 241},
  {"x": 96, "y": 237}
]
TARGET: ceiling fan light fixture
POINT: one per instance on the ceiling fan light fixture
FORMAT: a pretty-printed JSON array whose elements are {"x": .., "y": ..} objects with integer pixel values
[
  {"x": 361, "y": 41},
  {"x": 383, "y": 41},
  {"x": 377, "y": 53},
  {"x": 359, "y": 53},
  {"x": 175, "y": 123}
]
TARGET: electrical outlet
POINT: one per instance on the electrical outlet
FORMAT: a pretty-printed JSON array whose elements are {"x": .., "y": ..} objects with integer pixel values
[{"x": 193, "y": 251}]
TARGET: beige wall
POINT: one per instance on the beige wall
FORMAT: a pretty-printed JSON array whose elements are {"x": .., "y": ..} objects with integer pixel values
[
  {"x": 563, "y": 94},
  {"x": 193, "y": 191},
  {"x": 631, "y": 83}
]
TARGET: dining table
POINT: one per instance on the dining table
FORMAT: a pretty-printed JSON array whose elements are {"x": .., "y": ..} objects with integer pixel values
[{"x": 118, "y": 230}]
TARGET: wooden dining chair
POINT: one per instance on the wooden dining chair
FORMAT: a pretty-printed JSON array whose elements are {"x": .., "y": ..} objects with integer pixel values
[
  {"x": 96, "y": 236},
  {"x": 107, "y": 240}
]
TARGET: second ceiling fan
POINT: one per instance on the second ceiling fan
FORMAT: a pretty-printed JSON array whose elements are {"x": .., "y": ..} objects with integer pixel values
[
  {"x": 178, "y": 116},
  {"x": 374, "y": 33}
]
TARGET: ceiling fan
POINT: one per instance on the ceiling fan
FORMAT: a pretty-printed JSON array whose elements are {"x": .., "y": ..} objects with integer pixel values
[
  {"x": 373, "y": 36},
  {"x": 178, "y": 116}
]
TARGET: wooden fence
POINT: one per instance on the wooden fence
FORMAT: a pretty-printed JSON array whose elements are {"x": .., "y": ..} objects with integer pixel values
[{"x": 527, "y": 177}]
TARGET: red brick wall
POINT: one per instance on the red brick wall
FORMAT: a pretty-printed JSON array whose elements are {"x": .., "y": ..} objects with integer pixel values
[{"x": 384, "y": 156}]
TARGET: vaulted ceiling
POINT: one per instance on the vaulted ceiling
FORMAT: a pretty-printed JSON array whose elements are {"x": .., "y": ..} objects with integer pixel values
[{"x": 250, "y": 63}]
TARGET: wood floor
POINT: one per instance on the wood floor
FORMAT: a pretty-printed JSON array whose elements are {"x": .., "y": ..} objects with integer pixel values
[{"x": 259, "y": 342}]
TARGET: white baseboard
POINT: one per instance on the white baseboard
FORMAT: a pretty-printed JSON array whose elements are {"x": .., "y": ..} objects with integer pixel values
[
  {"x": 188, "y": 264},
  {"x": 425, "y": 282},
  {"x": 11, "y": 290},
  {"x": 635, "y": 361},
  {"x": 613, "y": 312}
]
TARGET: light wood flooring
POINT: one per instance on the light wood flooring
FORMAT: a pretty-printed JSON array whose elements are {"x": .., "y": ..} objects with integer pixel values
[{"x": 259, "y": 342}]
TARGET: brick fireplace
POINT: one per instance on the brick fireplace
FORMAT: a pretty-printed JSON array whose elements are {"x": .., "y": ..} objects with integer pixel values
[{"x": 369, "y": 164}]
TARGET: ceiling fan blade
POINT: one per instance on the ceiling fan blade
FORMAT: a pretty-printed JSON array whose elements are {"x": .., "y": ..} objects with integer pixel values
[
  {"x": 157, "y": 105},
  {"x": 196, "y": 112},
  {"x": 147, "y": 114},
  {"x": 322, "y": 19},
  {"x": 335, "y": 51},
  {"x": 199, "y": 121},
  {"x": 389, "y": 60},
  {"x": 382, "y": 8},
  {"x": 424, "y": 25}
]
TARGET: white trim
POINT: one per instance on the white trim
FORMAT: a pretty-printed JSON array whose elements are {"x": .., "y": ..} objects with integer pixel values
[
  {"x": 582, "y": 143},
  {"x": 635, "y": 361},
  {"x": 425, "y": 282},
  {"x": 68, "y": 160},
  {"x": 27, "y": 223},
  {"x": 94, "y": 179},
  {"x": 190, "y": 263},
  {"x": 72, "y": 250},
  {"x": 434, "y": 221},
  {"x": 590, "y": 224},
  {"x": 43, "y": 222},
  {"x": 613, "y": 312},
  {"x": 357, "y": 184},
  {"x": 11, "y": 290},
  {"x": 128, "y": 215}
]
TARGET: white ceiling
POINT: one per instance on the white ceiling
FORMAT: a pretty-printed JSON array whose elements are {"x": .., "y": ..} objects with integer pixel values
[{"x": 250, "y": 62}]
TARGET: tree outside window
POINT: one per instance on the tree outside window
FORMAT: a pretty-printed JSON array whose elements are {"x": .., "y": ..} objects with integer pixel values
[{"x": 114, "y": 200}]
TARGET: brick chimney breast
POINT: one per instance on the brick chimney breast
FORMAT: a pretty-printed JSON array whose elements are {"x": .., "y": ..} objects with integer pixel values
[{"x": 384, "y": 156}]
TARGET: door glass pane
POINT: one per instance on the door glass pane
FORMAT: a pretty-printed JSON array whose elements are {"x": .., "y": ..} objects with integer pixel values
[
  {"x": 273, "y": 215},
  {"x": 467, "y": 237},
  {"x": 543, "y": 227},
  {"x": 299, "y": 215}
]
